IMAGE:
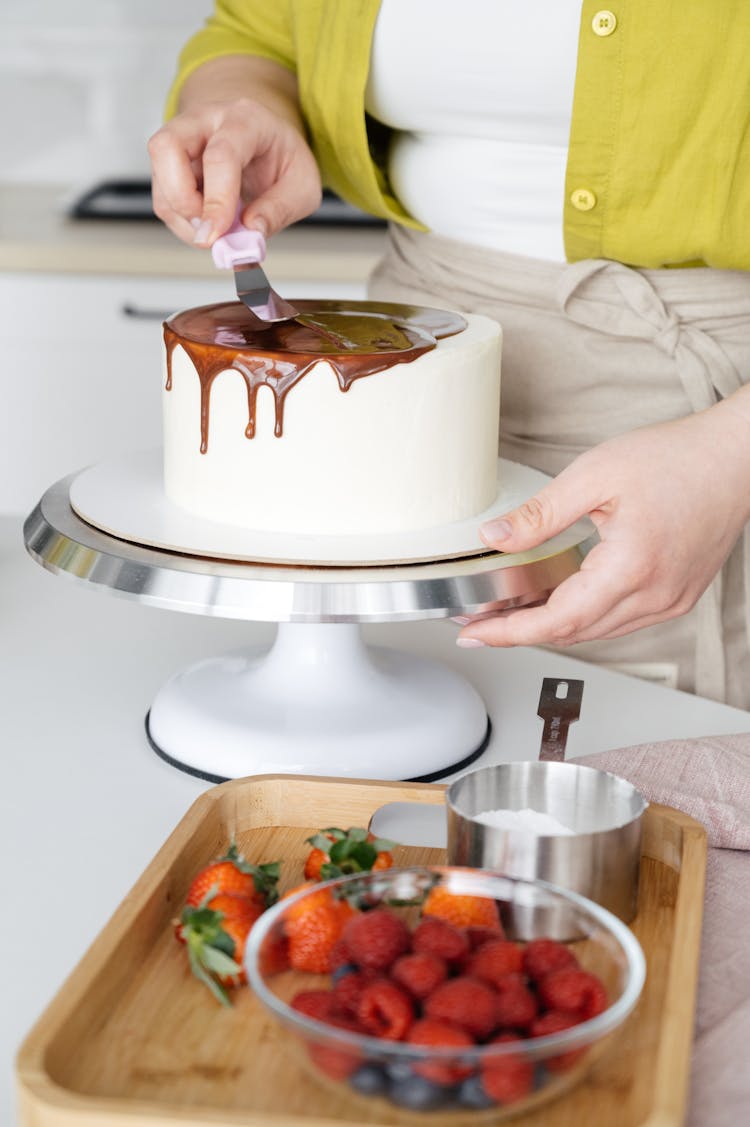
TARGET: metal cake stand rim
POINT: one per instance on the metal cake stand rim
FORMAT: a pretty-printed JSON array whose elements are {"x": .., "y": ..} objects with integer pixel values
[{"x": 60, "y": 541}]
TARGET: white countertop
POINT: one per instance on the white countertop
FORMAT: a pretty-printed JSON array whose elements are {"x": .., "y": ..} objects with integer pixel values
[
  {"x": 35, "y": 235},
  {"x": 85, "y": 803}
]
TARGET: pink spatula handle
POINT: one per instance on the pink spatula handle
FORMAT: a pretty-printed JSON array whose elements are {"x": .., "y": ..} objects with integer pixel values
[{"x": 238, "y": 244}]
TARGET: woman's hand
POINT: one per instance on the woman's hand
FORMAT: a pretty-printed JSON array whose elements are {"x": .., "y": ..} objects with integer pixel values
[
  {"x": 668, "y": 501},
  {"x": 222, "y": 148}
]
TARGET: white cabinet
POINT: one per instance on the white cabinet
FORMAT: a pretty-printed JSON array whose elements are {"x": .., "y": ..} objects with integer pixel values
[{"x": 81, "y": 368}]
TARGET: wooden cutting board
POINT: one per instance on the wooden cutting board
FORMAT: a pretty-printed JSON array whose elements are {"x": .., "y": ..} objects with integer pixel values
[{"x": 131, "y": 1038}]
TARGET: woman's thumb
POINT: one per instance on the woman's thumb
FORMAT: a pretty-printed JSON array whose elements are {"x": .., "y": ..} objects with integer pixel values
[{"x": 551, "y": 510}]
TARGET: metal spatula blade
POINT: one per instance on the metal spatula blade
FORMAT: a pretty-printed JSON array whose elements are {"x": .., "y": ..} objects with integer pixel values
[
  {"x": 243, "y": 250},
  {"x": 559, "y": 707},
  {"x": 254, "y": 290}
]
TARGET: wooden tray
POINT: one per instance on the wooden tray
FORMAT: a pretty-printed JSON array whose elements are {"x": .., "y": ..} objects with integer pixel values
[{"x": 132, "y": 1038}]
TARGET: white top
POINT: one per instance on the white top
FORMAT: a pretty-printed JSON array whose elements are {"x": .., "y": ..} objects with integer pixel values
[{"x": 481, "y": 94}]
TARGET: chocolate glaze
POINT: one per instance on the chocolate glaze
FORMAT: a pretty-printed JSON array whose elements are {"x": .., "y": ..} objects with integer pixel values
[{"x": 357, "y": 338}]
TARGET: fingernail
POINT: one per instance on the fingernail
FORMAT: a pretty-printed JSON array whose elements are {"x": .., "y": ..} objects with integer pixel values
[
  {"x": 203, "y": 232},
  {"x": 461, "y": 620},
  {"x": 499, "y": 529},
  {"x": 195, "y": 222},
  {"x": 469, "y": 643},
  {"x": 258, "y": 223}
]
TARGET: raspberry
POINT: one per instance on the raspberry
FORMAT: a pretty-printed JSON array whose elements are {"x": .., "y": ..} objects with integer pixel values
[
  {"x": 385, "y": 1010},
  {"x": 516, "y": 1006},
  {"x": 553, "y": 1022},
  {"x": 375, "y": 939},
  {"x": 318, "y": 1004},
  {"x": 433, "y": 936},
  {"x": 542, "y": 956},
  {"x": 439, "y": 1033},
  {"x": 507, "y": 1079},
  {"x": 419, "y": 973},
  {"x": 573, "y": 991},
  {"x": 495, "y": 960},
  {"x": 464, "y": 1002},
  {"x": 348, "y": 991},
  {"x": 339, "y": 955},
  {"x": 337, "y": 1063},
  {"x": 479, "y": 935}
]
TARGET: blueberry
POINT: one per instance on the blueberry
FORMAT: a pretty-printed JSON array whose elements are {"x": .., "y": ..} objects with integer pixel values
[
  {"x": 472, "y": 1094},
  {"x": 398, "y": 1070},
  {"x": 342, "y": 971},
  {"x": 369, "y": 1080},
  {"x": 418, "y": 1094}
]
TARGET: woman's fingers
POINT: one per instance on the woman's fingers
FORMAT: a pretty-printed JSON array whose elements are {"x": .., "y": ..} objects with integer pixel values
[
  {"x": 174, "y": 175},
  {"x": 571, "y": 611},
  {"x": 206, "y": 160},
  {"x": 179, "y": 226},
  {"x": 668, "y": 502},
  {"x": 222, "y": 179},
  {"x": 573, "y": 494}
]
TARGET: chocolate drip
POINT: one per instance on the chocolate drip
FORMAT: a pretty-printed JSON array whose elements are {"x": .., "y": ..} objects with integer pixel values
[{"x": 356, "y": 338}]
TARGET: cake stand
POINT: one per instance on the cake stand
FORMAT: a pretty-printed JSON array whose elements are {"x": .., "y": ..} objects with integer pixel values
[{"x": 320, "y": 701}]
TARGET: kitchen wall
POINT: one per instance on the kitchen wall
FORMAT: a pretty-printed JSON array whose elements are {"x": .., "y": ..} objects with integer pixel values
[
  {"x": 82, "y": 86},
  {"x": 82, "y": 83}
]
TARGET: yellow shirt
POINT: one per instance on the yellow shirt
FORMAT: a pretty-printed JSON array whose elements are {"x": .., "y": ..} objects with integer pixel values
[{"x": 659, "y": 156}]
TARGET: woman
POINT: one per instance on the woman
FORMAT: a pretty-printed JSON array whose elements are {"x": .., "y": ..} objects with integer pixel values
[{"x": 624, "y": 367}]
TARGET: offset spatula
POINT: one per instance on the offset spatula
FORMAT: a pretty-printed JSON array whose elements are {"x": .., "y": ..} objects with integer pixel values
[
  {"x": 559, "y": 707},
  {"x": 243, "y": 251}
]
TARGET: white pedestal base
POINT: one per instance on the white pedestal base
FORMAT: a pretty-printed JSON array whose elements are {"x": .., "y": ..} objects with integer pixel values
[{"x": 319, "y": 702}]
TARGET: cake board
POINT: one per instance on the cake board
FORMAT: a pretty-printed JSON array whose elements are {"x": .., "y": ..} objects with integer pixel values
[{"x": 319, "y": 692}]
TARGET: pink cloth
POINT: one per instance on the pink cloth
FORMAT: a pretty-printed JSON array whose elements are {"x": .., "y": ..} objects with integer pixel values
[{"x": 709, "y": 779}]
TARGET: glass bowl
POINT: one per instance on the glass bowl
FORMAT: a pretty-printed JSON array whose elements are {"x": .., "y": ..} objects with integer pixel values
[{"x": 486, "y": 1079}]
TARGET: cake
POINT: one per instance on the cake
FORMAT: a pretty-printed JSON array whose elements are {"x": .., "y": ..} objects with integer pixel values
[{"x": 356, "y": 417}]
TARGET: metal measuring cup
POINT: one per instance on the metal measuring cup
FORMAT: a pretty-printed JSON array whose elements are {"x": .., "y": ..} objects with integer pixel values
[{"x": 599, "y": 860}]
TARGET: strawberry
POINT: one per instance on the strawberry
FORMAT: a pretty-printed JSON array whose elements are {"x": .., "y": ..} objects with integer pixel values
[
  {"x": 465, "y": 1002},
  {"x": 419, "y": 974},
  {"x": 433, "y": 936},
  {"x": 516, "y": 1006},
  {"x": 495, "y": 960},
  {"x": 337, "y": 852},
  {"x": 428, "y": 1032},
  {"x": 509, "y": 1078},
  {"x": 313, "y": 900},
  {"x": 274, "y": 954},
  {"x": 573, "y": 991},
  {"x": 541, "y": 956},
  {"x": 233, "y": 874},
  {"x": 553, "y": 1022},
  {"x": 238, "y": 931},
  {"x": 375, "y": 939},
  {"x": 461, "y": 911},
  {"x": 215, "y": 939},
  {"x": 314, "y": 927},
  {"x": 385, "y": 1010}
]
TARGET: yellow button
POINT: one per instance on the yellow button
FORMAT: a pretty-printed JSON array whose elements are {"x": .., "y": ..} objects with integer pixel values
[
  {"x": 582, "y": 199},
  {"x": 604, "y": 22}
]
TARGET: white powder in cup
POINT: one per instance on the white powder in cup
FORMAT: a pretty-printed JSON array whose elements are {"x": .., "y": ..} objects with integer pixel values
[{"x": 525, "y": 821}]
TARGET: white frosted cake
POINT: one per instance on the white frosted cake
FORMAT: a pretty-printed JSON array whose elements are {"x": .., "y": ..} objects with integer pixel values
[{"x": 357, "y": 418}]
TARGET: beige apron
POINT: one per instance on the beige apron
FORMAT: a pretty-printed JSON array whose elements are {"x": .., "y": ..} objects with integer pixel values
[{"x": 591, "y": 350}]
